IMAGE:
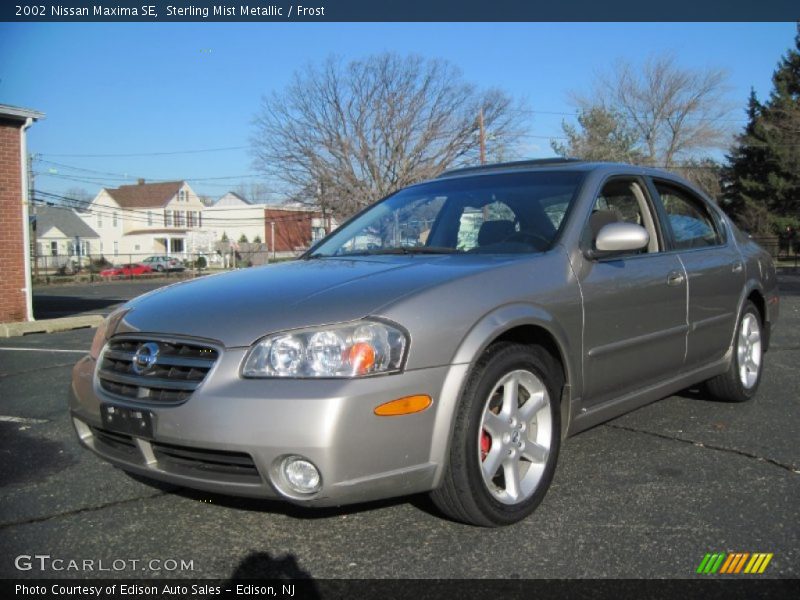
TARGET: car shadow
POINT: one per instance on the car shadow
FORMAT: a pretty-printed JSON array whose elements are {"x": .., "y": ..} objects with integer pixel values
[{"x": 266, "y": 505}]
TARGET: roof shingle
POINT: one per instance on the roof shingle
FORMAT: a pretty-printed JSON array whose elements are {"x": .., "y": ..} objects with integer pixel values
[
  {"x": 64, "y": 219},
  {"x": 145, "y": 195}
]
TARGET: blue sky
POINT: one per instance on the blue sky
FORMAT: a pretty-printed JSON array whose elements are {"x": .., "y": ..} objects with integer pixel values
[{"x": 152, "y": 88}]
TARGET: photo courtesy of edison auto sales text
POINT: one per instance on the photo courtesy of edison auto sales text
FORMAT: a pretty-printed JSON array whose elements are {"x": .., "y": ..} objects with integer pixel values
[{"x": 99, "y": 591}]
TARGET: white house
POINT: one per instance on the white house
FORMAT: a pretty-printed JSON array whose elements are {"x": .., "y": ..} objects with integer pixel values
[
  {"x": 233, "y": 217},
  {"x": 62, "y": 237},
  {"x": 135, "y": 221}
]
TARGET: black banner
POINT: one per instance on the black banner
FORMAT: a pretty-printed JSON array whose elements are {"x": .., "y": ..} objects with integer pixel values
[
  {"x": 707, "y": 588},
  {"x": 398, "y": 10}
]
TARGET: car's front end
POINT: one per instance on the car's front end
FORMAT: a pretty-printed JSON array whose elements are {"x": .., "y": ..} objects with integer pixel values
[{"x": 203, "y": 425}]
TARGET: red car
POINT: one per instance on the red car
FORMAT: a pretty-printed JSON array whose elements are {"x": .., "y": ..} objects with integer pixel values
[{"x": 125, "y": 270}]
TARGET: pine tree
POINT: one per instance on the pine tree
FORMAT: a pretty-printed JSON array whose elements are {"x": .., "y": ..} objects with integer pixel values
[
  {"x": 603, "y": 136},
  {"x": 762, "y": 181}
]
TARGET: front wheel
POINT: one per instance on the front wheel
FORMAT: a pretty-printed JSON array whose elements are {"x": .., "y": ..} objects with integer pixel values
[
  {"x": 506, "y": 438},
  {"x": 740, "y": 382}
]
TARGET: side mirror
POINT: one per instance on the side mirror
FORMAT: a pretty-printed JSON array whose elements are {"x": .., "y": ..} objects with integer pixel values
[{"x": 615, "y": 238}]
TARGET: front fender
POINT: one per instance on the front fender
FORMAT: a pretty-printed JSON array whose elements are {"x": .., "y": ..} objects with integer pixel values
[{"x": 489, "y": 328}]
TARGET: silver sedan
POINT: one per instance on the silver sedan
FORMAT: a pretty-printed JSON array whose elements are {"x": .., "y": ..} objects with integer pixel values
[{"x": 445, "y": 340}]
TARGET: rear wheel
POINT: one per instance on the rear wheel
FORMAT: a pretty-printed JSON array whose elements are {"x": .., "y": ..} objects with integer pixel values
[
  {"x": 506, "y": 438},
  {"x": 740, "y": 382}
]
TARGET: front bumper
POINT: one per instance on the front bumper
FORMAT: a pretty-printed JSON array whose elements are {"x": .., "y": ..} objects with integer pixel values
[{"x": 231, "y": 434}]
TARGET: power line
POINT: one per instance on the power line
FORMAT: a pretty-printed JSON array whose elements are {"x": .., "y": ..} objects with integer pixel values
[
  {"x": 135, "y": 154},
  {"x": 101, "y": 180},
  {"x": 575, "y": 113},
  {"x": 134, "y": 216}
]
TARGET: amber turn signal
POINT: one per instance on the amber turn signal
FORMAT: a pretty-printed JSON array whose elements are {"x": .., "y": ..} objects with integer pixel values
[{"x": 404, "y": 406}]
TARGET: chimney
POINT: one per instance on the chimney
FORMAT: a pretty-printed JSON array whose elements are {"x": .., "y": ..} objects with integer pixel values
[{"x": 140, "y": 181}]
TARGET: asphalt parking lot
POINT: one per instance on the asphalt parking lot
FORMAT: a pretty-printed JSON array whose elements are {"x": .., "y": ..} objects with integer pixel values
[{"x": 645, "y": 495}]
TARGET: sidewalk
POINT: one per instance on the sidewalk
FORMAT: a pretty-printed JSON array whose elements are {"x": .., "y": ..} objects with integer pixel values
[{"x": 8, "y": 330}]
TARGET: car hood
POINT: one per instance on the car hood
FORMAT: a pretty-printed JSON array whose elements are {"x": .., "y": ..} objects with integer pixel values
[{"x": 239, "y": 307}]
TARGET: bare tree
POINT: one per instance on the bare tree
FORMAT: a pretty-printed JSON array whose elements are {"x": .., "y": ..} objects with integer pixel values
[
  {"x": 342, "y": 135},
  {"x": 255, "y": 192},
  {"x": 706, "y": 174},
  {"x": 674, "y": 112},
  {"x": 77, "y": 197}
]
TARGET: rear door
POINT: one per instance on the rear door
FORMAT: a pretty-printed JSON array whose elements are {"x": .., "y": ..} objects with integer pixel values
[
  {"x": 714, "y": 267},
  {"x": 634, "y": 304}
]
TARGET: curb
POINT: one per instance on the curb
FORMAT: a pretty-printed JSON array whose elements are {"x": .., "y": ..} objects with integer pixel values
[{"x": 49, "y": 325}]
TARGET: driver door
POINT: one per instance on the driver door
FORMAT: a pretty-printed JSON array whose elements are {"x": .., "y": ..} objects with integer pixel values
[{"x": 634, "y": 304}]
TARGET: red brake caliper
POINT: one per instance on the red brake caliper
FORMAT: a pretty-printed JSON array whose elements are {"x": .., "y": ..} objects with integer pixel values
[{"x": 486, "y": 444}]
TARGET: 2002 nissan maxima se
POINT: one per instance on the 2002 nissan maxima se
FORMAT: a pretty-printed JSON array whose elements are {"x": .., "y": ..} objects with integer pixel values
[{"x": 446, "y": 339}]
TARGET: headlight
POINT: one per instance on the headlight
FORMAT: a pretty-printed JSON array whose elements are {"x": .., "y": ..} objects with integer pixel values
[{"x": 349, "y": 350}]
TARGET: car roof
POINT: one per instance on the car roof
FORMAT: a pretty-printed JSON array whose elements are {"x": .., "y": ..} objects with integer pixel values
[
  {"x": 567, "y": 164},
  {"x": 553, "y": 164}
]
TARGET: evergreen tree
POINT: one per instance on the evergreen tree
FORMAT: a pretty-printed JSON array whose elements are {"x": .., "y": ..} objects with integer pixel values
[
  {"x": 762, "y": 182},
  {"x": 603, "y": 135}
]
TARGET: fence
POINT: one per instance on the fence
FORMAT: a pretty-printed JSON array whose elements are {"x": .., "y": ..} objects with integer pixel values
[
  {"x": 101, "y": 267},
  {"x": 781, "y": 248}
]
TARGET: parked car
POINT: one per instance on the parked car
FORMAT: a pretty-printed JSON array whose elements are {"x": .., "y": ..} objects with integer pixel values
[
  {"x": 126, "y": 270},
  {"x": 547, "y": 297},
  {"x": 163, "y": 263}
]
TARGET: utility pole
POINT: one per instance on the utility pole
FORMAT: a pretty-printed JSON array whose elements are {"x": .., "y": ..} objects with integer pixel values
[
  {"x": 32, "y": 244},
  {"x": 482, "y": 137}
]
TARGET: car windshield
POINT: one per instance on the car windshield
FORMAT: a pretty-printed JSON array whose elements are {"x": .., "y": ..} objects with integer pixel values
[{"x": 486, "y": 214}]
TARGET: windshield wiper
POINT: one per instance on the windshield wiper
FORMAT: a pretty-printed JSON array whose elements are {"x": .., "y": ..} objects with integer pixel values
[
  {"x": 412, "y": 250},
  {"x": 314, "y": 256}
]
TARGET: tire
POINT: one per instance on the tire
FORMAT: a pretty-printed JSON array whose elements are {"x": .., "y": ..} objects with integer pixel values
[
  {"x": 740, "y": 382},
  {"x": 491, "y": 426},
  {"x": 160, "y": 268}
]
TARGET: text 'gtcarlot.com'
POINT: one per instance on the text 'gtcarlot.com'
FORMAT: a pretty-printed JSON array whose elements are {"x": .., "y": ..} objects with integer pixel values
[{"x": 46, "y": 562}]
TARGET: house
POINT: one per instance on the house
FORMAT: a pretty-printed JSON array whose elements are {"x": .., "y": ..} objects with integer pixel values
[
  {"x": 16, "y": 297},
  {"x": 138, "y": 220},
  {"x": 284, "y": 228},
  {"x": 232, "y": 217},
  {"x": 62, "y": 237}
]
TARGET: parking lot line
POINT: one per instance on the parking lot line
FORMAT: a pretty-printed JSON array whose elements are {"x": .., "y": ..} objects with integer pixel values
[
  {"x": 44, "y": 350},
  {"x": 23, "y": 420}
]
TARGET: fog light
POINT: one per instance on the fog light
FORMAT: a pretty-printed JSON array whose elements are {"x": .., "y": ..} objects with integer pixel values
[{"x": 302, "y": 476}]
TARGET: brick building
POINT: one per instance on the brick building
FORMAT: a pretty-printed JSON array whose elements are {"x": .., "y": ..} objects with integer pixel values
[
  {"x": 291, "y": 229},
  {"x": 15, "y": 273}
]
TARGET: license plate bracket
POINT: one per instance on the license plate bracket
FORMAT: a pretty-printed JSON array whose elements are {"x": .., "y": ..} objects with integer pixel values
[{"x": 132, "y": 421}]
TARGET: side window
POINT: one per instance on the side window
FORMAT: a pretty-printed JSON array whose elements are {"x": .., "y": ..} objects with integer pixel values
[
  {"x": 692, "y": 225},
  {"x": 622, "y": 200}
]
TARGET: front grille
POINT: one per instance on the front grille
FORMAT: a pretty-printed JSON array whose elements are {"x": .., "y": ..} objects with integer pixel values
[
  {"x": 178, "y": 369},
  {"x": 220, "y": 465},
  {"x": 117, "y": 442},
  {"x": 208, "y": 461}
]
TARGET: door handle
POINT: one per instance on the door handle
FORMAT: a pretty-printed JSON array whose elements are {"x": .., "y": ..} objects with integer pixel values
[
  {"x": 675, "y": 278},
  {"x": 737, "y": 267}
]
